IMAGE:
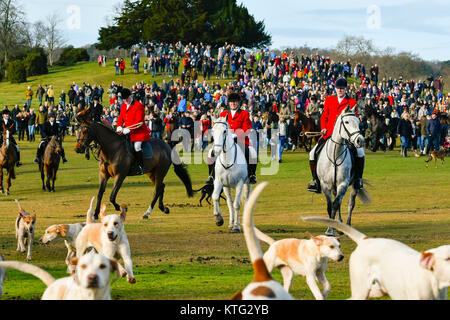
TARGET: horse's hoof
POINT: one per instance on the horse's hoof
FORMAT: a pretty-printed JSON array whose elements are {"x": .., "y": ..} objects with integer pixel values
[
  {"x": 219, "y": 221},
  {"x": 145, "y": 217},
  {"x": 236, "y": 230},
  {"x": 166, "y": 210},
  {"x": 53, "y": 190},
  {"x": 7, "y": 193}
]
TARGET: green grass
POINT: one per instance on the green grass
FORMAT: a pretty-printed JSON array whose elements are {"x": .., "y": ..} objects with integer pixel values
[{"x": 170, "y": 252}]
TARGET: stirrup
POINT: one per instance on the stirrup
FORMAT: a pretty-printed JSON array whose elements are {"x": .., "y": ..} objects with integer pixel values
[
  {"x": 18, "y": 164},
  {"x": 358, "y": 185},
  {"x": 36, "y": 160},
  {"x": 314, "y": 187},
  {"x": 140, "y": 171},
  {"x": 252, "y": 179}
]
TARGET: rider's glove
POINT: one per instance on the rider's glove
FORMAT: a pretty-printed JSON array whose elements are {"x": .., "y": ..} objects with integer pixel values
[
  {"x": 126, "y": 131},
  {"x": 119, "y": 129}
]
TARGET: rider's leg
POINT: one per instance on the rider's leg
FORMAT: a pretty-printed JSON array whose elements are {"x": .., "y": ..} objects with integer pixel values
[
  {"x": 252, "y": 162},
  {"x": 63, "y": 154},
  {"x": 139, "y": 157},
  {"x": 313, "y": 166},
  {"x": 360, "y": 160},
  {"x": 211, "y": 166},
  {"x": 39, "y": 151},
  {"x": 18, "y": 163}
]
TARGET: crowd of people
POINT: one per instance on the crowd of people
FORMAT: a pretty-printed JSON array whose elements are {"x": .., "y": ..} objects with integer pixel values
[{"x": 271, "y": 87}]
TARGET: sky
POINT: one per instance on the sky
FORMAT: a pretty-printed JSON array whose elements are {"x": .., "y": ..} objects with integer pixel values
[{"x": 417, "y": 26}]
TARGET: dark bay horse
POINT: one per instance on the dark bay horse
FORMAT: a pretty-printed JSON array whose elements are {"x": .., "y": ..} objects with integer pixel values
[
  {"x": 308, "y": 126},
  {"x": 116, "y": 160},
  {"x": 49, "y": 163},
  {"x": 8, "y": 159},
  {"x": 379, "y": 129},
  {"x": 173, "y": 125}
]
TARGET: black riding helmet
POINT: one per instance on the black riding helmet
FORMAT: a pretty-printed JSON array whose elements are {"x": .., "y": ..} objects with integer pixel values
[
  {"x": 341, "y": 83},
  {"x": 125, "y": 93},
  {"x": 234, "y": 97}
]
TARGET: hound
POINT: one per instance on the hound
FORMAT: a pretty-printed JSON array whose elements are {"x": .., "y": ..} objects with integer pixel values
[
  {"x": 263, "y": 287},
  {"x": 434, "y": 155},
  {"x": 67, "y": 231},
  {"x": 307, "y": 258},
  {"x": 384, "y": 266},
  {"x": 108, "y": 238},
  {"x": 90, "y": 281},
  {"x": 2, "y": 276},
  {"x": 207, "y": 191},
  {"x": 25, "y": 226}
]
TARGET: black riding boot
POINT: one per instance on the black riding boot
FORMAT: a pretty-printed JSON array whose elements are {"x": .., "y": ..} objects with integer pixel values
[
  {"x": 251, "y": 169},
  {"x": 359, "y": 169},
  {"x": 316, "y": 186},
  {"x": 140, "y": 162},
  {"x": 18, "y": 163},
  {"x": 212, "y": 173},
  {"x": 38, "y": 155},
  {"x": 63, "y": 155}
]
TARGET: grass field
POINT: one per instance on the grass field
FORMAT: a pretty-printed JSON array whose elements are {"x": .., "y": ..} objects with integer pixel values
[{"x": 184, "y": 255}]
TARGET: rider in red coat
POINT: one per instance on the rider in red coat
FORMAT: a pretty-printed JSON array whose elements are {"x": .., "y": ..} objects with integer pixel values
[
  {"x": 333, "y": 107},
  {"x": 240, "y": 123},
  {"x": 132, "y": 121}
]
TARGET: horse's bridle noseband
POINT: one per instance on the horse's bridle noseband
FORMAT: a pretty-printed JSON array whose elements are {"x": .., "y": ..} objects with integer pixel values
[
  {"x": 350, "y": 135},
  {"x": 224, "y": 145}
]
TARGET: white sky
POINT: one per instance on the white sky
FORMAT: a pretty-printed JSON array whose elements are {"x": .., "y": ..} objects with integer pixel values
[{"x": 406, "y": 25}]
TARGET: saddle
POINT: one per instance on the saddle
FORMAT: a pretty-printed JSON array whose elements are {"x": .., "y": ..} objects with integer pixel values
[
  {"x": 146, "y": 150},
  {"x": 352, "y": 149}
]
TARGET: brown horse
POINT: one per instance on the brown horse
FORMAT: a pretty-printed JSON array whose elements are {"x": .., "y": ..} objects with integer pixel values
[
  {"x": 116, "y": 161},
  {"x": 49, "y": 162},
  {"x": 308, "y": 126},
  {"x": 173, "y": 125},
  {"x": 8, "y": 159}
]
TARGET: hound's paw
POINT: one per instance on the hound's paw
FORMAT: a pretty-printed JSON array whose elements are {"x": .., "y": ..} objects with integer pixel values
[
  {"x": 131, "y": 280},
  {"x": 123, "y": 274}
]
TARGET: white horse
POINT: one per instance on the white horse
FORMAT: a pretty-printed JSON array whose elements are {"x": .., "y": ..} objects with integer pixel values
[
  {"x": 230, "y": 173},
  {"x": 334, "y": 166}
]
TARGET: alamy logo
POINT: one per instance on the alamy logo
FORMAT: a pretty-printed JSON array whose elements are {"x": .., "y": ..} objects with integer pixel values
[
  {"x": 374, "y": 17},
  {"x": 74, "y": 20}
]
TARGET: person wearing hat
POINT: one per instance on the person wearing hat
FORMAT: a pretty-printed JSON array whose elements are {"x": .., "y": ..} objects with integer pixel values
[
  {"x": 49, "y": 130},
  {"x": 11, "y": 127},
  {"x": 132, "y": 121},
  {"x": 240, "y": 123},
  {"x": 333, "y": 107},
  {"x": 96, "y": 110}
]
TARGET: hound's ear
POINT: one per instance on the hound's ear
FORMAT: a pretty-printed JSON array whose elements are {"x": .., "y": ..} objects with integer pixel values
[
  {"x": 73, "y": 264},
  {"x": 103, "y": 211},
  {"x": 237, "y": 296},
  {"x": 114, "y": 268},
  {"x": 427, "y": 260},
  {"x": 318, "y": 241},
  {"x": 63, "y": 230},
  {"x": 123, "y": 211},
  {"x": 309, "y": 235}
]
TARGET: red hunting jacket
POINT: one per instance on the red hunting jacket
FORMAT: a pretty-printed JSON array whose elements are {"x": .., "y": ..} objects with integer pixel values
[
  {"x": 134, "y": 115},
  {"x": 241, "y": 120},
  {"x": 331, "y": 110}
]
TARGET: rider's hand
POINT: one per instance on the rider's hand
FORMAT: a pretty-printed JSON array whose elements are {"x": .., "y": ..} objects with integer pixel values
[
  {"x": 126, "y": 131},
  {"x": 323, "y": 132},
  {"x": 119, "y": 129}
]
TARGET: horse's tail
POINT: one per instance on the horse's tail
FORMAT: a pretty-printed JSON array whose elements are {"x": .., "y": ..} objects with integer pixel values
[
  {"x": 352, "y": 233},
  {"x": 43, "y": 275},
  {"x": 263, "y": 237},
  {"x": 183, "y": 174},
  {"x": 364, "y": 196},
  {"x": 253, "y": 246}
]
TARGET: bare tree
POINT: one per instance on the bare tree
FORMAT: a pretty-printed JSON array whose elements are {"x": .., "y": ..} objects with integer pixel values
[
  {"x": 11, "y": 21},
  {"x": 53, "y": 36}
]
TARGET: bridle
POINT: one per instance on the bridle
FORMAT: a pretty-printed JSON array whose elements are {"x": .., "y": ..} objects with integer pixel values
[
  {"x": 224, "y": 145},
  {"x": 351, "y": 135}
]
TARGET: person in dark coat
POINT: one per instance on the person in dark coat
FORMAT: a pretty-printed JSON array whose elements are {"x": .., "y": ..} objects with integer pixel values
[
  {"x": 50, "y": 129},
  {"x": 96, "y": 110},
  {"x": 405, "y": 131},
  {"x": 10, "y": 125},
  {"x": 433, "y": 129}
]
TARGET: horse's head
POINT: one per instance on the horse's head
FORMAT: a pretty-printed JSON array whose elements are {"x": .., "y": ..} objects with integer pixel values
[
  {"x": 57, "y": 143},
  {"x": 5, "y": 136},
  {"x": 347, "y": 126},
  {"x": 83, "y": 137},
  {"x": 221, "y": 134}
]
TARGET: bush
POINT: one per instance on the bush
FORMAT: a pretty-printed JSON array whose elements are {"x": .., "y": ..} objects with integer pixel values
[
  {"x": 36, "y": 62},
  {"x": 71, "y": 55},
  {"x": 17, "y": 72}
]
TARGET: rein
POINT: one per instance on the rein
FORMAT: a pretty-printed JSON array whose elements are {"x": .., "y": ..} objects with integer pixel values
[{"x": 224, "y": 148}]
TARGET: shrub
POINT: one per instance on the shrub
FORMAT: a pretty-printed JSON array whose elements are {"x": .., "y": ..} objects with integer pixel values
[
  {"x": 17, "y": 72},
  {"x": 71, "y": 55},
  {"x": 36, "y": 62}
]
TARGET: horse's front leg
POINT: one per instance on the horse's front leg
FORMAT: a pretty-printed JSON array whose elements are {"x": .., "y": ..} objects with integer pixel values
[
  {"x": 330, "y": 231},
  {"x": 8, "y": 181},
  {"x": 103, "y": 179},
  {"x": 118, "y": 180},
  {"x": 237, "y": 207},
  {"x": 351, "y": 205},
  {"x": 41, "y": 168},
  {"x": 229, "y": 196},
  {"x": 1, "y": 180},
  {"x": 215, "y": 198}
]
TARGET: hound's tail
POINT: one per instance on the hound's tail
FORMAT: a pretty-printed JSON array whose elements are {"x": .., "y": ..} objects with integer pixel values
[
  {"x": 353, "y": 234},
  {"x": 254, "y": 249},
  {"x": 90, "y": 212},
  {"x": 263, "y": 237},
  {"x": 29, "y": 268}
]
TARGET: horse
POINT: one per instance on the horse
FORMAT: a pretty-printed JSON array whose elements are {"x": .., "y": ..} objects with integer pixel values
[
  {"x": 379, "y": 130},
  {"x": 116, "y": 160},
  {"x": 334, "y": 166},
  {"x": 8, "y": 159},
  {"x": 308, "y": 126},
  {"x": 49, "y": 162},
  {"x": 230, "y": 173},
  {"x": 173, "y": 125}
]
